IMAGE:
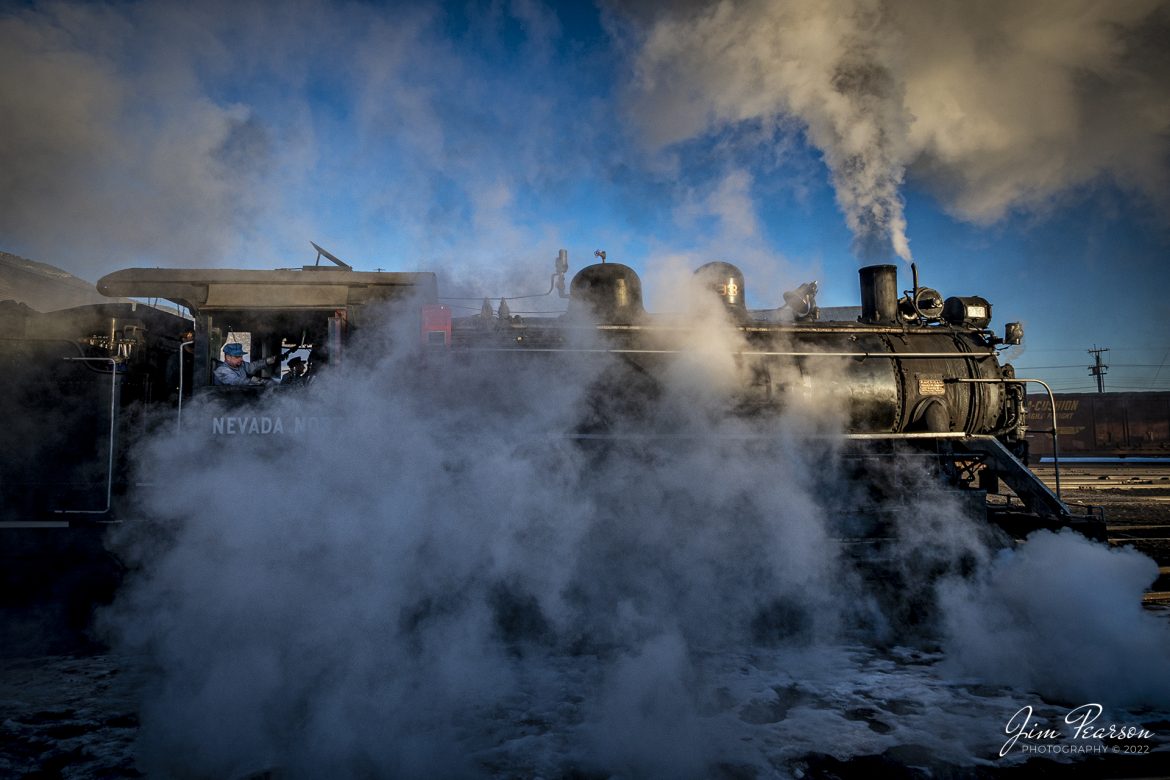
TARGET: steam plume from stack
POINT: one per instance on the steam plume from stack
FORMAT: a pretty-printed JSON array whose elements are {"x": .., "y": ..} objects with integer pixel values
[{"x": 993, "y": 106}]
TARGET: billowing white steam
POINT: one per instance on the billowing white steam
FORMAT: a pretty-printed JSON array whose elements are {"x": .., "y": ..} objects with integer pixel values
[
  {"x": 361, "y": 597},
  {"x": 429, "y": 580},
  {"x": 995, "y": 106},
  {"x": 1012, "y": 624}
]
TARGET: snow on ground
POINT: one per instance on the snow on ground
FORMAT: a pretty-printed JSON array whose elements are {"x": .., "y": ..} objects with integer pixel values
[{"x": 759, "y": 713}]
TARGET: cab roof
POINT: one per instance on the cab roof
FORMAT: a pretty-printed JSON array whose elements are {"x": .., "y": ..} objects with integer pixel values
[{"x": 312, "y": 287}]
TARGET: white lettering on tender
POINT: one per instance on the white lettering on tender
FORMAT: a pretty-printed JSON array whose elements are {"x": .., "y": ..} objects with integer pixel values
[{"x": 250, "y": 425}]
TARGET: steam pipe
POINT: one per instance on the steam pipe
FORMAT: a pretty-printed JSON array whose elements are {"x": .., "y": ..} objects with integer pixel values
[
  {"x": 113, "y": 361},
  {"x": 914, "y": 292}
]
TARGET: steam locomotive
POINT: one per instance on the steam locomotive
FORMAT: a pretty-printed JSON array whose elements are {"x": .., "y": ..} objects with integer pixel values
[{"x": 907, "y": 373}]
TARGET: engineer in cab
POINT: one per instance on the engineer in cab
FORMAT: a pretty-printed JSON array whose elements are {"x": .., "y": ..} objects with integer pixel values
[{"x": 234, "y": 370}]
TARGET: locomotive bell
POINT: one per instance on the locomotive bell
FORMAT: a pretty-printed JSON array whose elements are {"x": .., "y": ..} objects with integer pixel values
[
  {"x": 606, "y": 292},
  {"x": 922, "y": 303},
  {"x": 726, "y": 281}
]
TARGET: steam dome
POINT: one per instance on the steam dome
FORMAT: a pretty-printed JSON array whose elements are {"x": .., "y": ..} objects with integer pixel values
[
  {"x": 725, "y": 281},
  {"x": 606, "y": 292}
]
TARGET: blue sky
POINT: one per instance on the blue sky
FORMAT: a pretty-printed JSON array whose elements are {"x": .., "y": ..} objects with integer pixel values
[{"x": 1014, "y": 151}]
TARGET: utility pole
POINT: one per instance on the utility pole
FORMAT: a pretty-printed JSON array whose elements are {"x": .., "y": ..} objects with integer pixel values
[{"x": 1098, "y": 369}]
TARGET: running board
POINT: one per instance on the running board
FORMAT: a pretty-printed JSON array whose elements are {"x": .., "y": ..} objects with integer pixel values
[{"x": 1035, "y": 495}]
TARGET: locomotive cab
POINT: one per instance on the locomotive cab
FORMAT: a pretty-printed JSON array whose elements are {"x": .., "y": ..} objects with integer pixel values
[{"x": 275, "y": 316}]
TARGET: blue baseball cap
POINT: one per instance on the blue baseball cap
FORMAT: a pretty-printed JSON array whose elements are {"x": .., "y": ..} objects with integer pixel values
[{"x": 234, "y": 349}]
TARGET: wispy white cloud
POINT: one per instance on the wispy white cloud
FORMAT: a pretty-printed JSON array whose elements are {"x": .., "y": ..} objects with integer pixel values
[{"x": 175, "y": 134}]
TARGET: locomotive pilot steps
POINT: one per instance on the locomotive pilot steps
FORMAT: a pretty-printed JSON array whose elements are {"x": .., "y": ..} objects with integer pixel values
[{"x": 909, "y": 374}]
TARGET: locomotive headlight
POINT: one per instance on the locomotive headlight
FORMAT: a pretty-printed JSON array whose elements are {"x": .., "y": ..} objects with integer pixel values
[
  {"x": 1013, "y": 333},
  {"x": 973, "y": 312}
]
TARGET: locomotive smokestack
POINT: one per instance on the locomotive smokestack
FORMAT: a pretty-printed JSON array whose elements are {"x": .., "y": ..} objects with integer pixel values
[{"x": 879, "y": 294}]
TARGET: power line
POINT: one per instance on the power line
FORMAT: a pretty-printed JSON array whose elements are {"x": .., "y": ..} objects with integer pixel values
[{"x": 1025, "y": 367}]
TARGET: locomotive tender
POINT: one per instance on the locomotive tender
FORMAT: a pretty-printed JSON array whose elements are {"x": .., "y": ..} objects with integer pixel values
[{"x": 913, "y": 373}]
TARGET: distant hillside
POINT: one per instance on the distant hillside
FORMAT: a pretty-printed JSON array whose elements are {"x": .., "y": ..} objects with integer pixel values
[{"x": 43, "y": 287}]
